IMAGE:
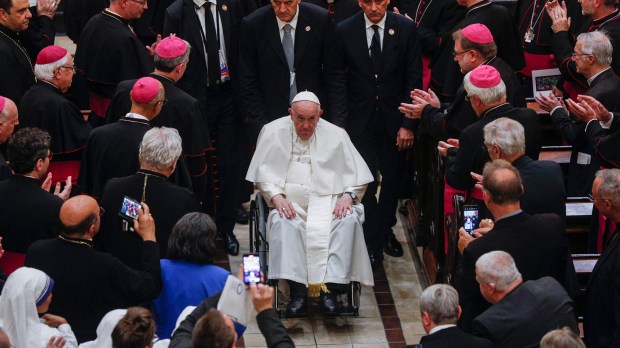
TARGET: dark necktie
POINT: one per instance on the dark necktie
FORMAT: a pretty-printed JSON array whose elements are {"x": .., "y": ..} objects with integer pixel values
[
  {"x": 213, "y": 49},
  {"x": 289, "y": 52},
  {"x": 375, "y": 49}
]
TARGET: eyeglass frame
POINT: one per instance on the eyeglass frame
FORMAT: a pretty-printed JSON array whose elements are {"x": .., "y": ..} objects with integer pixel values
[{"x": 455, "y": 53}]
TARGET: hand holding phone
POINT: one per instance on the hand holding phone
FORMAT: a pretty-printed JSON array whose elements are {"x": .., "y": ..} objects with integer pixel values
[
  {"x": 251, "y": 268},
  {"x": 129, "y": 209},
  {"x": 471, "y": 219}
]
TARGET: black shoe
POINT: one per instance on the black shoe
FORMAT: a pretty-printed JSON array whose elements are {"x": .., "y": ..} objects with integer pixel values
[
  {"x": 376, "y": 257},
  {"x": 329, "y": 303},
  {"x": 297, "y": 308},
  {"x": 392, "y": 247},
  {"x": 242, "y": 217},
  {"x": 231, "y": 244}
]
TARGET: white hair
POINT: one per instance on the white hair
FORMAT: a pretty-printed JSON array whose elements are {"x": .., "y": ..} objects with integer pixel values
[
  {"x": 506, "y": 133},
  {"x": 160, "y": 147},
  {"x": 597, "y": 44},
  {"x": 486, "y": 95},
  {"x": 45, "y": 72},
  {"x": 498, "y": 268},
  {"x": 441, "y": 302}
]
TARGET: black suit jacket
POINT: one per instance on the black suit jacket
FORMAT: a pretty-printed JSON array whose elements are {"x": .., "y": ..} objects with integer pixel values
[
  {"x": 181, "y": 20},
  {"x": 167, "y": 201},
  {"x": 544, "y": 189},
  {"x": 354, "y": 91},
  {"x": 602, "y": 313},
  {"x": 453, "y": 337},
  {"x": 434, "y": 19},
  {"x": 605, "y": 88},
  {"x": 525, "y": 315},
  {"x": 88, "y": 283},
  {"x": 268, "y": 322},
  {"x": 537, "y": 243},
  {"x": 605, "y": 142},
  {"x": 264, "y": 76},
  {"x": 27, "y": 213},
  {"x": 471, "y": 156}
]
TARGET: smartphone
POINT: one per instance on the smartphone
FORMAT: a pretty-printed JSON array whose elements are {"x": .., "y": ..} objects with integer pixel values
[
  {"x": 471, "y": 219},
  {"x": 129, "y": 209},
  {"x": 251, "y": 268}
]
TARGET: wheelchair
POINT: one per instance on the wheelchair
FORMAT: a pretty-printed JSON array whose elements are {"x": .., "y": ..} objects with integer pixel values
[{"x": 259, "y": 211}]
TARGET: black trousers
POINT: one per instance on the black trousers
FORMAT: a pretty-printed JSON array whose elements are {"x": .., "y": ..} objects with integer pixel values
[
  {"x": 224, "y": 122},
  {"x": 379, "y": 150}
]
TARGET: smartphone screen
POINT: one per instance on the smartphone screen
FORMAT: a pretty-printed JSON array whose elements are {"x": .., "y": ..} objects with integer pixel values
[
  {"x": 251, "y": 268},
  {"x": 129, "y": 208},
  {"x": 470, "y": 218}
]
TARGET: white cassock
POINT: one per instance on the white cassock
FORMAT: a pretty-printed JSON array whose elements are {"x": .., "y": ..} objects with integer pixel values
[{"x": 315, "y": 247}]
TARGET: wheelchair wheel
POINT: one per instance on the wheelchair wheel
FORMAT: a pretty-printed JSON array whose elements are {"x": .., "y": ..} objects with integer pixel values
[{"x": 258, "y": 231}]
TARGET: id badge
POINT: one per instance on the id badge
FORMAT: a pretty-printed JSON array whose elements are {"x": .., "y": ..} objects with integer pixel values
[{"x": 224, "y": 74}]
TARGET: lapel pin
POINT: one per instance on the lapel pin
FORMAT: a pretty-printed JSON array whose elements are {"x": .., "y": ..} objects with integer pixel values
[
  {"x": 391, "y": 31},
  {"x": 224, "y": 8},
  {"x": 308, "y": 28}
]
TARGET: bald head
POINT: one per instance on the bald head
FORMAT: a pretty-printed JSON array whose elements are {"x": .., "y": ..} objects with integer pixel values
[
  {"x": 80, "y": 215},
  {"x": 8, "y": 120}
]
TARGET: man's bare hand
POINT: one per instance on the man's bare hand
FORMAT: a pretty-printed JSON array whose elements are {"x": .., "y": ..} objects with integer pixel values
[
  {"x": 559, "y": 16},
  {"x": 52, "y": 320},
  {"x": 262, "y": 296},
  {"x": 47, "y": 183},
  {"x": 443, "y": 147},
  {"x": 404, "y": 139},
  {"x": 483, "y": 228},
  {"x": 593, "y": 106},
  {"x": 64, "y": 194},
  {"x": 547, "y": 102},
  {"x": 284, "y": 206},
  {"x": 56, "y": 342},
  {"x": 151, "y": 49},
  {"x": 581, "y": 111},
  {"x": 344, "y": 206},
  {"x": 413, "y": 111},
  {"x": 47, "y": 8},
  {"x": 397, "y": 11},
  {"x": 145, "y": 225},
  {"x": 429, "y": 97},
  {"x": 464, "y": 240}
]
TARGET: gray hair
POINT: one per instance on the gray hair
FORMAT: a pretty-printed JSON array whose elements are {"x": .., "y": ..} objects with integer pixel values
[
  {"x": 168, "y": 64},
  {"x": 562, "y": 338},
  {"x": 487, "y": 51},
  {"x": 160, "y": 148},
  {"x": 497, "y": 268},
  {"x": 597, "y": 44},
  {"x": 506, "y": 133},
  {"x": 441, "y": 302},
  {"x": 486, "y": 95},
  {"x": 610, "y": 186},
  {"x": 45, "y": 72}
]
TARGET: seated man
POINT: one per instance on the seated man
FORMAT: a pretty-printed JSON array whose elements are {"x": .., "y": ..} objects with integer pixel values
[
  {"x": 309, "y": 170},
  {"x": 440, "y": 310},
  {"x": 522, "y": 312}
]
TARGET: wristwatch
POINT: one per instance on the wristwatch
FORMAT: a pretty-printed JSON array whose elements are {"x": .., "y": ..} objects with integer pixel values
[{"x": 353, "y": 195}]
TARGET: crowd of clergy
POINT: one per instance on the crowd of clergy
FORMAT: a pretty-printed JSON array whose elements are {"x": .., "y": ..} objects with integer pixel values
[{"x": 333, "y": 110}]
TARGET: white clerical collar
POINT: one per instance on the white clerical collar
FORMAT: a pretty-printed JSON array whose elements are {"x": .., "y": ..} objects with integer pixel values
[
  {"x": 381, "y": 23},
  {"x": 293, "y": 22},
  {"x": 114, "y": 13},
  {"x": 135, "y": 116},
  {"x": 596, "y": 75},
  {"x": 440, "y": 327}
]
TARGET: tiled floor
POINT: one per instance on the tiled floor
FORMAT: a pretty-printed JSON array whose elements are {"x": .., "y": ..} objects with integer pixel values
[{"x": 389, "y": 314}]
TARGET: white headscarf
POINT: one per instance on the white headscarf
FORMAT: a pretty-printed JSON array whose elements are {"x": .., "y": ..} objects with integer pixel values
[
  {"x": 18, "y": 310},
  {"x": 104, "y": 330}
]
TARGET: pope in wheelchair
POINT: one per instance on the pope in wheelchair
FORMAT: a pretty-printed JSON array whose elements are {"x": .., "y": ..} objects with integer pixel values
[{"x": 309, "y": 172}]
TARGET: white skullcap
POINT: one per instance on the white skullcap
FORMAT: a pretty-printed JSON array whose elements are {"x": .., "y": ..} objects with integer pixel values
[{"x": 307, "y": 96}]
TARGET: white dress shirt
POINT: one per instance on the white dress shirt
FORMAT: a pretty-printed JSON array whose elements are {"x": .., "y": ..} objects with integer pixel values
[{"x": 293, "y": 24}]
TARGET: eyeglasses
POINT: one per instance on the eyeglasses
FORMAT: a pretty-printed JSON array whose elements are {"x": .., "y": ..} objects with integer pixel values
[
  {"x": 593, "y": 199},
  {"x": 455, "y": 53},
  {"x": 141, "y": 3},
  {"x": 101, "y": 211},
  {"x": 68, "y": 67},
  {"x": 575, "y": 54},
  {"x": 468, "y": 97},
  {"x": 163, "y": 102}
]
